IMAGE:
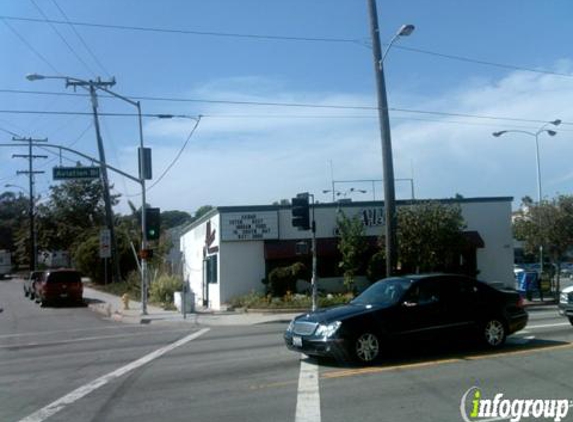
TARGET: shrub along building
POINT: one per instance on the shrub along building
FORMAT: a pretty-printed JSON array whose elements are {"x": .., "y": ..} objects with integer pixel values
[{"x": 230, "y": 251}]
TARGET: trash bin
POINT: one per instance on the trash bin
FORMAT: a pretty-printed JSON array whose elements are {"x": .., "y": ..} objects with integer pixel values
[
  {"x": 527, "y": 283},
  {"x": 189, "y": 301}
]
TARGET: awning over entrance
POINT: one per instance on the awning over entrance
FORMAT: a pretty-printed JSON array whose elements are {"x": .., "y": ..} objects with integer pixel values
[{"x": 474, "y": 239}]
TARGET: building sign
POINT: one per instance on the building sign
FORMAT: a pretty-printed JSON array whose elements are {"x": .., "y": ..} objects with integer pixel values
[
  {"x": 249, "y": 226},
  {"x": 372, "y": 217}
]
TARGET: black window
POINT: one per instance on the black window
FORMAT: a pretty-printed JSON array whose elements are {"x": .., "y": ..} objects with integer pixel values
[
  {"x": 425, "y": 292},
  {"x": 64, "y": 277}
]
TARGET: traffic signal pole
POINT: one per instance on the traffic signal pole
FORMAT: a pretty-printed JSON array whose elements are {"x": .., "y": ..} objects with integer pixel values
[
  {"x": 142, "y": 172},
  {"x": 314, "y": 279},
  {"x": 301, "y": 218}
]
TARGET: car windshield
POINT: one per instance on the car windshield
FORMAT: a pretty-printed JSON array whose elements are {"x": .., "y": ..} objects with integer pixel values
[{"x": 383, "y": 292}]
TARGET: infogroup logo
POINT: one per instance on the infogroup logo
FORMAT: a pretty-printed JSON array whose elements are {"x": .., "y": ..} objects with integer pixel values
[{"x": 475, "y": 407}]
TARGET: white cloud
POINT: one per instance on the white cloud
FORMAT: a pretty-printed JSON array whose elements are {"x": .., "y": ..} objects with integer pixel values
[{"x": 256, "y": 155}]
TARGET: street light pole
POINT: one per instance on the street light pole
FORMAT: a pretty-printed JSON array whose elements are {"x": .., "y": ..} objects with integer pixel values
[
  {"x": 536, "y": 134},
  {"x": 384, "y": 121},
  {"x": 387, "y": 162}
]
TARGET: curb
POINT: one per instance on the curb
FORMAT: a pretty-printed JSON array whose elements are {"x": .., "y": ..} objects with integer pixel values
[
  {"x": 540, "y": 304},
  {"x": 102, "y": 309},
  {"x": 265, "y": 311}
]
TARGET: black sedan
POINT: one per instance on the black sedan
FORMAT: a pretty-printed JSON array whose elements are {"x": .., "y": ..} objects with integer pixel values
[{"x": 394, "y": 308}]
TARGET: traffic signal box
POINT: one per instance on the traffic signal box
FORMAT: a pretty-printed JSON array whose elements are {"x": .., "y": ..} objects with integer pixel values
[
  {"x": 152, "y": 223},
  {"x": 300, "y": 212}
]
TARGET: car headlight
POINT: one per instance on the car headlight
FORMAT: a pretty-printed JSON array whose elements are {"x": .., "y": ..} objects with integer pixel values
[
  {"x": 290, "y": 327},
  {"x": 328, "y": 330},
  {"x": 564, "y": 298}
]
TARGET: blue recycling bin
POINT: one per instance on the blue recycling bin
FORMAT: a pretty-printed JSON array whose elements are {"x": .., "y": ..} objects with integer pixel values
[{"x": 527, "y": 283}]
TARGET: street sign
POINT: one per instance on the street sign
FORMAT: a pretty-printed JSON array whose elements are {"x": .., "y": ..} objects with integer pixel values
[
  {"x": 104, "y": 243},
  {"x": 70, "y": 173}
]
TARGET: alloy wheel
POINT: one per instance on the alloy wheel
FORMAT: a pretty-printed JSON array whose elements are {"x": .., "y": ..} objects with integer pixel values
[
  {"x": 494, "y": 332},
  {"x": 367, "y": 347}
]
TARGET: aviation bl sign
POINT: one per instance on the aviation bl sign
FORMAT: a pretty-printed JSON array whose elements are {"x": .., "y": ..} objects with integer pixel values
[{"x": 70, "y": 173}]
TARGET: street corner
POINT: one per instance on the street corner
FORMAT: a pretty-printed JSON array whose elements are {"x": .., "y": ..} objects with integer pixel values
[{"x": 101, "y": 308}]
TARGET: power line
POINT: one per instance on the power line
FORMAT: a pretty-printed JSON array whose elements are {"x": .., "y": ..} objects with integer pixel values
[
  {"x": 70, "y": 48},
  {"x": 393, "y": 109},
  {"x": 481, "y": 62},
  {"x": 84, "y": 43},
  {"x": 177, "y": 156},
  {"x": 258, "y": 103},
  {"x": 184, "y": 31},
  {"x": 281, "y": 38},
  {"x": 36, "y": 52}
]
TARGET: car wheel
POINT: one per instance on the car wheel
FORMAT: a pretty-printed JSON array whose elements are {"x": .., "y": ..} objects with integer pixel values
[
  {"x": 366, "y": 348},
  {"x": 494, "y": 333},
  {"x": 571, "y": 320}
]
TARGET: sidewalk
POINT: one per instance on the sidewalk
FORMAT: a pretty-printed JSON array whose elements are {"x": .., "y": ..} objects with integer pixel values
[{"x": 111, "y": 307}]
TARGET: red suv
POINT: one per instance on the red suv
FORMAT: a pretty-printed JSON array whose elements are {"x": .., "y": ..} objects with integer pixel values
[{"x": 58, "y": 285}]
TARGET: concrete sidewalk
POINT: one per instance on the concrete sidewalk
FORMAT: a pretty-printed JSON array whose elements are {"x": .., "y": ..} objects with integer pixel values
[{"x": 112, "y": 307}]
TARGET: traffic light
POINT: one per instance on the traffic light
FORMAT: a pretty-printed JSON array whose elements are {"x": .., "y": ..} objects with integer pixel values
[
  {"x": 300, "y": 212},
  {"x": 152, "y": 223}
]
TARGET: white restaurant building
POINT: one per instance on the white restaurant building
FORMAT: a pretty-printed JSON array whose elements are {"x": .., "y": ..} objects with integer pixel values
[{"x": 230, "y": 250}]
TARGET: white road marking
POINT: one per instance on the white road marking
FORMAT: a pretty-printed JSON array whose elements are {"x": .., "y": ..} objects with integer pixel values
[
  {"x": 543, "y": 313},
  {"x": 54, "y": 407},
  {"x": 559, "y": 324},
  {"x": 81, "y": 339},
  {"x": 308, "y": 398},
  {"x": 41, "y": 333}
]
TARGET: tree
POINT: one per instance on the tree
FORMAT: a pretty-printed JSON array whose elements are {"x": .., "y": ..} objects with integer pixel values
[
  {"x": 170, "y": 219},
  {"x": 352, "y": 246},
  {"x": 13, "y": 213},
  {"x": 548, "y": 225},
  {"x": 74, "y": 209},
  {"x": 86, "y": 255},
  {"x": 201, "y": 211},
  {"x": 430, "y": 236}
]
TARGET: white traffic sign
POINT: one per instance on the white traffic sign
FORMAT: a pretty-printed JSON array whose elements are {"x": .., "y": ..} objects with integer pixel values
[{"x": 104, "y": 243}]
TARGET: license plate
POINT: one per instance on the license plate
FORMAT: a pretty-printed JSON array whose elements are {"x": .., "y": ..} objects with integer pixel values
[
  {"x": 297, "y": 341},
  {"x": 63, "y": 295}
]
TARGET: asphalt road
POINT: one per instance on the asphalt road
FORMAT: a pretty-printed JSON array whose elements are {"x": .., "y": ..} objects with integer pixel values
[{"x": 70, "y": 364}]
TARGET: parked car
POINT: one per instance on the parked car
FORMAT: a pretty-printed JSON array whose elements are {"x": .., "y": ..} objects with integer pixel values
[
  {"x": 566, "y": 303},
  {"x": 29, "y": 287},
  {"x": 410, "y": 307},
  {"x": 59, "y": 285}
]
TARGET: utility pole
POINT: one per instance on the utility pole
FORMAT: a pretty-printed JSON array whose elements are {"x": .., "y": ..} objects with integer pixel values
[
  {"x": 92, "y": 86},
  {"x": 31, "y": 172},
  {"x": 387, "y": 161}
]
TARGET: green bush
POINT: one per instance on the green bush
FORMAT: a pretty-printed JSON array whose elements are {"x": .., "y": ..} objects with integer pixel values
[
  {"x": 283, "y": 279},
  {"x": 162, "y": 289}
]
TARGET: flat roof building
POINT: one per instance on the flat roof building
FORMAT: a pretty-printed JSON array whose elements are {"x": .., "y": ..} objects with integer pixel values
[{"x": 230, "y": 250}]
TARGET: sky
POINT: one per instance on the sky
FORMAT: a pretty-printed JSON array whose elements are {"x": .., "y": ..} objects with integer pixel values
[{"x": 286, "y": 96}]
